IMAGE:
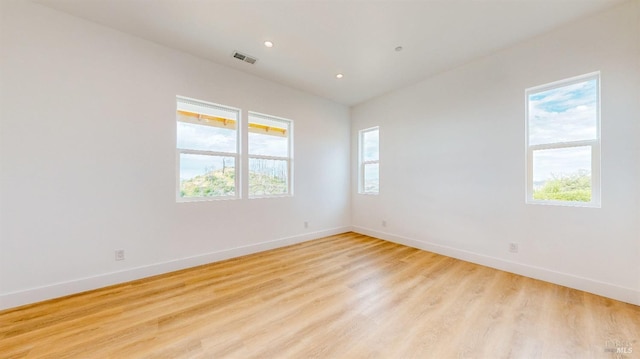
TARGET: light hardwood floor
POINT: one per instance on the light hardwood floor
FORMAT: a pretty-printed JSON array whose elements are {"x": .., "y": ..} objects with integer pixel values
[{"x": 345, "y": 296}]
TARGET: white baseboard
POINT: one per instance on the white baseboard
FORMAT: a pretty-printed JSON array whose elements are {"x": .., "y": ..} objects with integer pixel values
[
  {"x": 56, "y": 290},
  {"x": 608, "y": 290}
]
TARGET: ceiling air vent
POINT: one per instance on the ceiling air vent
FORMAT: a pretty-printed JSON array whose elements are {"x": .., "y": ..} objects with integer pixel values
[{"x": 245, "y": 58}]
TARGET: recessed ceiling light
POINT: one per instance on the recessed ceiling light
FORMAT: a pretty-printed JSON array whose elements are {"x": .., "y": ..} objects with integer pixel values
[
  {"x": 339, "y": 76},
  {"x": 399, "y": 48},
  {"x": 268, "y": 43}
]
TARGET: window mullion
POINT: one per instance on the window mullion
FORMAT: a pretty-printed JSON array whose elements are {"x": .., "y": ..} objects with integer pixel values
[
  {"x": 547, "y": 146},
  {"x": 262, "y": 157},
  {"x": 207, "y": 153}
]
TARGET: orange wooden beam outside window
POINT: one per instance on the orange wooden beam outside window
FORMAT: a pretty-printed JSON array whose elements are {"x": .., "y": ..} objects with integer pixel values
[
  {"x": 225, "y": 121},
  {"x": 259, "y": 128}
]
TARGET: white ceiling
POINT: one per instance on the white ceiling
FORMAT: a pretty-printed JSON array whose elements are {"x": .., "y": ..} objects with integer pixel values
[{"x": 315, "y": 40}]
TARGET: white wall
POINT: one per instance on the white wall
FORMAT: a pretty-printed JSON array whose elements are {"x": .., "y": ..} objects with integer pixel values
[
  {"x": 453, "y": 161},
  {"x": 88, "y": 159}
]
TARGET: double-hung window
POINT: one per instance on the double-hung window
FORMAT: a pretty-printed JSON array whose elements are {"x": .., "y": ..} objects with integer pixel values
[
  {"x": 207, "y": 150},
  {"x": 369, "y": 161},
  {"x": 563, "y": 142},
  {"x": 270, "y": 156}
]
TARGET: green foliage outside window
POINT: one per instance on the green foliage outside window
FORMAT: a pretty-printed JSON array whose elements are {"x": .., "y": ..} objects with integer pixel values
[
  {"x": 220, "y": 183},
  {"x": 263, "y": 184},
  {"x": 212, "y": 184},
  {"x": 575, "y": 187}
]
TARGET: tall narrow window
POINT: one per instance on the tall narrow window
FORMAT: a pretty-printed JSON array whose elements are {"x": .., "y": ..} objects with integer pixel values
[
  {"x": 270, "y": 143},
  {"x": 207, "y": 150},
  {"x": 369, "y": 161},
  {"x": 563, "y": 142}
]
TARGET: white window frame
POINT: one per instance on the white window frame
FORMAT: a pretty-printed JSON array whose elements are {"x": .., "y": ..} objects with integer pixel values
[
  {"x": 288, "y": 158},
  {"x": 595, "y": 145},
  {"x": 362, "y": 163},
  {"x": 235, "y": 155}
]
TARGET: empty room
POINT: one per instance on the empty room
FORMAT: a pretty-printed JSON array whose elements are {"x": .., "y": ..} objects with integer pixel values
[{"x": 327, "y": 179}]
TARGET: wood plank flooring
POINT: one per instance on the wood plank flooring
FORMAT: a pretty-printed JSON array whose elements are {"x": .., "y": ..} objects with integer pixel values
[{"x": 345, "y": 296}]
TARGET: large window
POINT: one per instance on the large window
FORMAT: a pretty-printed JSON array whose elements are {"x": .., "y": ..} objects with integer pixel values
[
  {"x": 270, "y": 156},
  {"x": 207, "y": 150},
  {"x": 369, "y": 161},
  {"x": 563, "y": 142}
]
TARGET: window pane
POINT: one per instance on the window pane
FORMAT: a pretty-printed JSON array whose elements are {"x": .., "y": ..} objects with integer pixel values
[
  {"x": 564, "y": 114},
  {"x": 267, "y": 177},
  {"x": 206, "y": 176},
  {"x": 562, "y": 174},
  {"x": 370, "y": 145},
  {"x": 206, "y": 138},
  {"x": 268, "y": 136},
  {"x": 268, "y": 145},
  {"x": 371, "y": 177}
]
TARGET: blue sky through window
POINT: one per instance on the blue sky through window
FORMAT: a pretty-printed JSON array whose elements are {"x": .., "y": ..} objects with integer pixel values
[{"x": 564, "y": 114}]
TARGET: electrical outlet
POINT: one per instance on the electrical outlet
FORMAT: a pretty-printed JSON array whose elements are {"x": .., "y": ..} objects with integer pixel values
[
  {"x": 384, "y": 223},
  {"x": 306, "y": 224},
  {"x": 119, "y": 254},
  {"x": 513, "y": 247}
]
